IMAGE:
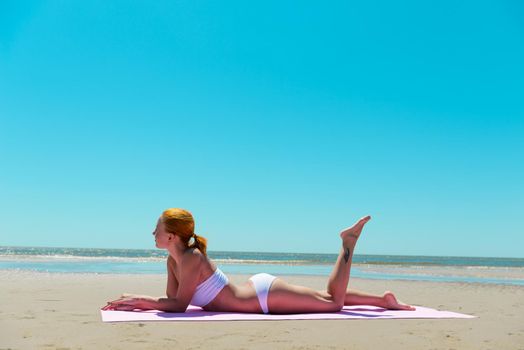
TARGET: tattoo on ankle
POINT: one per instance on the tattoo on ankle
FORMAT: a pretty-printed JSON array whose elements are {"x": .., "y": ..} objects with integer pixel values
[{"x": 346, "y": 255}]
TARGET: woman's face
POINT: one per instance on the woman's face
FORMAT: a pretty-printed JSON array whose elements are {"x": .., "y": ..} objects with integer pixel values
[{"x": 161, "y": 236}]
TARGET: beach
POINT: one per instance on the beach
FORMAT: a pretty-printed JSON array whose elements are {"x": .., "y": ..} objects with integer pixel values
[{"x": 61, "y": 311}]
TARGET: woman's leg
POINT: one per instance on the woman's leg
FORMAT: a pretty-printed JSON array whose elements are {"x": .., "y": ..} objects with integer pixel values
[
  {"x": 288, "y": 298},
  {"x": 387, "y": 300},
  {"x": 339, "y": 278},
  {"x": 342, "y": 270},
  {"x": 285, "y": 298}
]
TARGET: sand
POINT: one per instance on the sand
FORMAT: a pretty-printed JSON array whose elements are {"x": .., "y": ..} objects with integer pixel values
[{"x": 61, "y": 311}]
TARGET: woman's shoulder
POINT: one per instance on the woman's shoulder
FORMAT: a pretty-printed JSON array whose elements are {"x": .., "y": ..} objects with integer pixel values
[
  {"x": 200, "y": 259},
  {"x": 194, "y": 255}
]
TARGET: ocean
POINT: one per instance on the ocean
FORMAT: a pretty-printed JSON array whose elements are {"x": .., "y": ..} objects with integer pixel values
[{"x": 386, "y": 267}]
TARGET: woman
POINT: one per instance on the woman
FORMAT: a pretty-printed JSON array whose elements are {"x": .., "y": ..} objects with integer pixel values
[{"x": 193, "y": 279}]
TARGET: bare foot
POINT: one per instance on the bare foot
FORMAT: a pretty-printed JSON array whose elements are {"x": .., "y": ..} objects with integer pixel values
[
  {"x": 391, "y": 303},
  {"x": 350, "y": 235}
]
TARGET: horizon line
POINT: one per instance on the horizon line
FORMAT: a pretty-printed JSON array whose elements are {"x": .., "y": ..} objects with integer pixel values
[{"x": 271, "y": 252}]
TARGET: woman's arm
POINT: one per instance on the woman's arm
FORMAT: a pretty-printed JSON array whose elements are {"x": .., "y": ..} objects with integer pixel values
[
  {"x": 145, "y": 302},
  {"x": 179, "y": 303},
  {"x": 172, "y": 282}
]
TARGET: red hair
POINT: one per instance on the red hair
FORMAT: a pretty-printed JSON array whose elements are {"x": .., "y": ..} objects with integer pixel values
[{"x": 181, "y": 223}]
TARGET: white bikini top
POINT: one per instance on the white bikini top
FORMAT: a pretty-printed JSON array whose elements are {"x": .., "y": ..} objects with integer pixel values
[{"x": 207, "y": 291}]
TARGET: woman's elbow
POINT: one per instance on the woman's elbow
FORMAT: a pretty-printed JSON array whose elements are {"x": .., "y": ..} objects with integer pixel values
[
  {"x": 175, "y": 309},
  {"x": 171, "y": 305},
  {"x": 179, "y": 310}
]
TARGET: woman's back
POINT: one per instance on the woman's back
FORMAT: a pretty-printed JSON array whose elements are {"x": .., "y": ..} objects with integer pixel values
[{"x": 230, "y": 296}]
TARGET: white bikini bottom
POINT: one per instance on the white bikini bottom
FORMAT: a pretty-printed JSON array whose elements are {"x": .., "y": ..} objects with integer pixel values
[{"x": 262, "y": 283}]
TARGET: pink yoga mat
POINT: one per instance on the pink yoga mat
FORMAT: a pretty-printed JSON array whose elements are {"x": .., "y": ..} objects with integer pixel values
[{"x": 360, "y": 312}]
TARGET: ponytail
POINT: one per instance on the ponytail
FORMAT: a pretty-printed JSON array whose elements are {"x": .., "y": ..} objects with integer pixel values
[{"x": 200, "y": 243}]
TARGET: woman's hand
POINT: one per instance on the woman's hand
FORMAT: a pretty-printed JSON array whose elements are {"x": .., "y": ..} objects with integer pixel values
[{"x": 130, "y": 302}]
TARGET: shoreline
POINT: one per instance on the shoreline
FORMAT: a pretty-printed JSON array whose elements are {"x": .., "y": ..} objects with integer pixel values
[
  {"x": 456, "y": 274},
  {"x": 61, "y": 310}
]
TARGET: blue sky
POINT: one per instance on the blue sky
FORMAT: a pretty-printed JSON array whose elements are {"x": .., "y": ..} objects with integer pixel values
[{"x": 276, "y": 123}]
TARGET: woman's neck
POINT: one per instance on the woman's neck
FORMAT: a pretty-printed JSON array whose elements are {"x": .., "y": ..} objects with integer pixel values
[{"x": 176, "y": 251}]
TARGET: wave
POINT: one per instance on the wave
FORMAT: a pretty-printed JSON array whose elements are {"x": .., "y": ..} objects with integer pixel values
[
  {"x": 249, "y": 258},
  {"x": 370, "y": 265}
]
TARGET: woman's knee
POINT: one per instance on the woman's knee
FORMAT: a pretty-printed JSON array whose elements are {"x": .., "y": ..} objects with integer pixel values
[
  {"x": 331, "y": 304},
  {"x": 336, "y": 304}
]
